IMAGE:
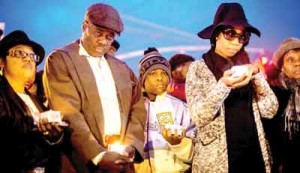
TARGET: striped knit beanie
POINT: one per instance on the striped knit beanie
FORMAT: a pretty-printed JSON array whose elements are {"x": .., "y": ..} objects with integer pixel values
[{"x": 152, "y": 60}]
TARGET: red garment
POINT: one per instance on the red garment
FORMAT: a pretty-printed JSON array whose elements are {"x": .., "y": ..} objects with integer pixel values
[{"x": 177, "y": 90}]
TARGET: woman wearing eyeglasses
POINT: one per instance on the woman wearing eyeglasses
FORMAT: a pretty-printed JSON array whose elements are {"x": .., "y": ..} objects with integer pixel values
[
  {"x": 227, "y": 96},
  {"x": 28, "y": 143}
]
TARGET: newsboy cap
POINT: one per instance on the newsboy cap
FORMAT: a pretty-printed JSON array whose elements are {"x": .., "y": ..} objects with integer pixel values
[
  {"x": 105, "y": 16},
  {"x": 19, "y": 37},
  {"x": 287, "y": 45},
  {"x": 228, "y": 14}
]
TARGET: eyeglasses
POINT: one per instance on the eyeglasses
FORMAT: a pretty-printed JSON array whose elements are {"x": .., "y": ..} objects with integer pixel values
[
  {"x": 23, "y": 55},
  {"x": 231, "y": 34}
]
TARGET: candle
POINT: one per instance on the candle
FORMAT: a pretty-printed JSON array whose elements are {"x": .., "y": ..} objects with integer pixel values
[{"x": 117, "y": 147}]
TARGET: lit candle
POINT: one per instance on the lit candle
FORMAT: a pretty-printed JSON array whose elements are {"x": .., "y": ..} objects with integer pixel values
[{"x": 117, "y": 147}]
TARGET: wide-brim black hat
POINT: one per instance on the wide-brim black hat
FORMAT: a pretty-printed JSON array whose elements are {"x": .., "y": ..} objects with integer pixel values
[
  {"x": 228, "y": 14},
  {"x": 19, "y": 37}
]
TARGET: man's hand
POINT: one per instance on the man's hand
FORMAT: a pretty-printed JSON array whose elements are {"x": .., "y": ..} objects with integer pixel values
[
  {"x": 114, "y": 162},
  {"x": 130, "y": 152}
]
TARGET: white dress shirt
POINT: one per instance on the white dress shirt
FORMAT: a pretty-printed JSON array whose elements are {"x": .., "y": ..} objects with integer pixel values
[{"x": 107, "y": 94}]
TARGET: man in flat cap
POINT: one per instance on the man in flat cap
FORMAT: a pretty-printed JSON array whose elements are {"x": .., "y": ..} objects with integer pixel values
[{"x": 98, "y": 95}]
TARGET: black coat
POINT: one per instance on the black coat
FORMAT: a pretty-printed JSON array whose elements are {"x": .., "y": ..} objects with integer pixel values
[
  {"x": 22, "y": 146},
  {"x": 274, "y": 129}
]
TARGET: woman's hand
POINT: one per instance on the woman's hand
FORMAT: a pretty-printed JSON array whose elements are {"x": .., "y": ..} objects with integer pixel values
[
  {"x": 239, "y": 81},
  {"x": 253, "y": 69},
  {"x": 51, "y": 130}
]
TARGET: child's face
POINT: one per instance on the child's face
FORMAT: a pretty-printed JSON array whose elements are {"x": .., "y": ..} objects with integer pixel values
[{"x": 156, "y": 82}]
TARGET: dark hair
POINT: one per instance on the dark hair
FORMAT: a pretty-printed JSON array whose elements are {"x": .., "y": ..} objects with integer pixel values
[
  {"x": 178, "y": 59},
  {"x": 40, "y": 94},
  {"x": 273, "y": 73},
  {"x": 280, "y": 62},
  {"x": 3, "y": 54},
  {"x": 115, "y": 44},
  {"x": 216, "y": 32}
]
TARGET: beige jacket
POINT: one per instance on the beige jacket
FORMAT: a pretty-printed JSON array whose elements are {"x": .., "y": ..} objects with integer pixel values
[{"x": 71, "y": 88}]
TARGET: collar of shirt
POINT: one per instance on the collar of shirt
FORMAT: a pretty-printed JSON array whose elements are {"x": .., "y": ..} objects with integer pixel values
[
  {"x": 161, "y": 96},
  {"x": 83, "y": 52}
]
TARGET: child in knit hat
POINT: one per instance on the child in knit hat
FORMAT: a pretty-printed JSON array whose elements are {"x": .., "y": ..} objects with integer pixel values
[{"x": 169, "y": 127}]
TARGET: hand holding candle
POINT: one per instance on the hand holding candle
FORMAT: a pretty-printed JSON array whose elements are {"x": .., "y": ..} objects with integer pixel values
[
  {"x": 239, "y": 76},
  {"x": 173, "y": 133},
  {"x": 123, "y": 150},
  {"x": 50, "y": 116},
  {"x": 130, "y": 152},
  {"x": 239, "y": 70}
]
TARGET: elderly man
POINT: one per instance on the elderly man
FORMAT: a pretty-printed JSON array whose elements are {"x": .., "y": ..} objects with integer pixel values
[{"x": 98, "y": 95}]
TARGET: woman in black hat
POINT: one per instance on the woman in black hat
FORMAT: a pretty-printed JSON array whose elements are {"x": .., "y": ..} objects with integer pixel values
[
  {"x": 227, "y": 97},
  {"x": 26, "y": 140}
]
